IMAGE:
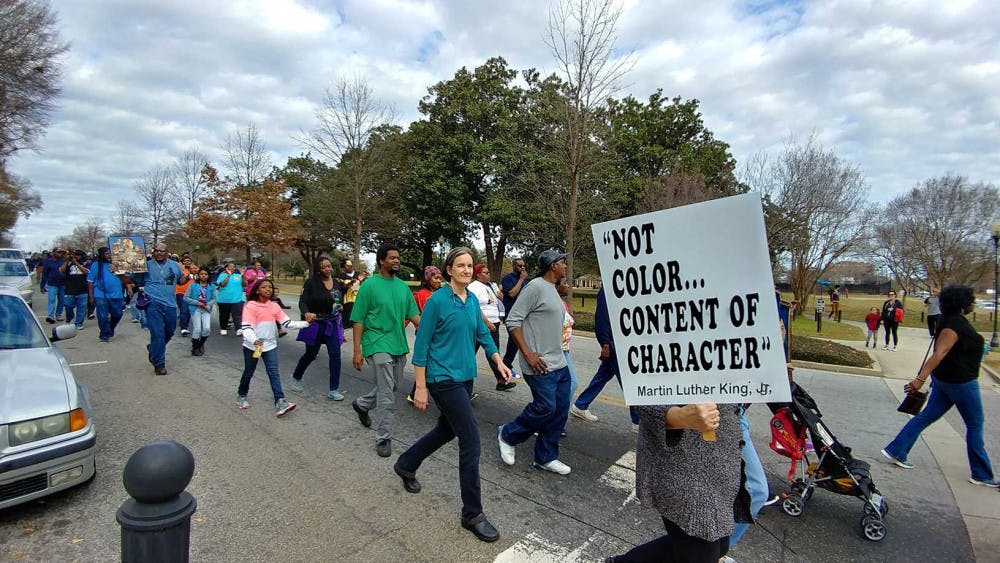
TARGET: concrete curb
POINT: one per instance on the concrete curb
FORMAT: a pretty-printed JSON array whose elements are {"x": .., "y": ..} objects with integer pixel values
[
  {"x": 873, "y": 372},
  {"x": 991, "y": 372}
]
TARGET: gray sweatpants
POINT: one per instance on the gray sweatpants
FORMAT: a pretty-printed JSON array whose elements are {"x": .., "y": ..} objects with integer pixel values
[{"x": 386, "y": 370}]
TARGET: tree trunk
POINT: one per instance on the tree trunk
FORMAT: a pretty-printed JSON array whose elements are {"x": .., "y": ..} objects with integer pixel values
[{"x": 574, "y": 195}]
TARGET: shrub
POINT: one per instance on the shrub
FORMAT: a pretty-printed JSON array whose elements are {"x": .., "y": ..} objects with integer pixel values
[
  {"x": 826, "y": 352},
  {"x": 583, "y": 320}
]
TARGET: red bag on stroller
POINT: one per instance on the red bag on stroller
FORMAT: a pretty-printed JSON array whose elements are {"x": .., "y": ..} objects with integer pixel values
[{"x": 788, "y": 437}]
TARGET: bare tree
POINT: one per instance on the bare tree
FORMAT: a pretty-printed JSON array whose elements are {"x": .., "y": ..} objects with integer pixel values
[
  {"x": 581, "y": 35},
  {"x": 128, "y": 219},
  {"x": 156, "y": 202},
  {"x": 88, "y": 236},
  {"x": 822, "y": 206},
  {"x": 938, "y": 233},
  {"x": 190, "y": 184},
  {"x": 30, "y": 72},
  {"x": 247, "y": 158},
  {"x": 350, "y": 115},
  {"x": 17, "y": 199}
]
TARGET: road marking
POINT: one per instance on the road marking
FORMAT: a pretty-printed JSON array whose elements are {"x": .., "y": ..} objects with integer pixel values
[
  {"x": 88, "y": 363},
  {"x": 536, "y": 549}
]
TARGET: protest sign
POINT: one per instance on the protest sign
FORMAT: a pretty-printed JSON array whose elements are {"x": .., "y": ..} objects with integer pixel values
[
  {"x": 691, "y": 300},
  {"x": 128, "y": 254}
]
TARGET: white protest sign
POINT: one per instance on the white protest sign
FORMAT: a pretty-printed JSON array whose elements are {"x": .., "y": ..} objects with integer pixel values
[{"x": 692, "y": 304}]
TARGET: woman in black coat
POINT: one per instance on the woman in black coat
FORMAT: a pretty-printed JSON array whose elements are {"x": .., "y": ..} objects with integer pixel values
[
  {"x": 889, "y": 319},
  {"x": 320, "y": 305}
]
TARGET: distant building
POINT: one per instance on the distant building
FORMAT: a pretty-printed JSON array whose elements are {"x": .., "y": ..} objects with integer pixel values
[{"x": 589, "y": 281}]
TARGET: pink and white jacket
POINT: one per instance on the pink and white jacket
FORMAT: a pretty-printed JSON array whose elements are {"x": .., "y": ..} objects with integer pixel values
[{"x": 259, "y": 324}]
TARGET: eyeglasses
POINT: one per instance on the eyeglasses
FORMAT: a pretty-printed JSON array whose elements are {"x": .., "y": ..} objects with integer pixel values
[{"x": 159, "y": 250}]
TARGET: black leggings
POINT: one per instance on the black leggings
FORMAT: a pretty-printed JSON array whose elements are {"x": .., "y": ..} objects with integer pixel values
[
  {"x": 676, "y": 547},
  {"x": 891, "y": 327},
  {"x": 227, "y": 310}
]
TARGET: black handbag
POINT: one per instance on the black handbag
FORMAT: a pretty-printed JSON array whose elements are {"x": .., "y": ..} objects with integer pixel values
[{"x": 914, "y": 401}]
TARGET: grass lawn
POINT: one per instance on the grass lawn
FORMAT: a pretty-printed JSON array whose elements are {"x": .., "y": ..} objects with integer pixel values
[{"x": 803, "y": 326}]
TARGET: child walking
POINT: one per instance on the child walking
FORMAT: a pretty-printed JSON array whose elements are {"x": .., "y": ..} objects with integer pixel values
[
  {"x": 260, "y": 340},
  {"x": 200, "y": 298},
  {"x": 872, "y": 319}
]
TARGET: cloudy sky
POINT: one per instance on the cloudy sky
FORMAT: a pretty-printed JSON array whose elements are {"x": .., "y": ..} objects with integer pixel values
[{"x": 905, "y": 90}]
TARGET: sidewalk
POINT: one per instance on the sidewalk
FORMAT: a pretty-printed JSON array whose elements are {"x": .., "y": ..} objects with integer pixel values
[{"x": 980, "y": 507}]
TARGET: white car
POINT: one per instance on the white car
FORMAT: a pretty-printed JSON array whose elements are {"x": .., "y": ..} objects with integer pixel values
[
  {"x": 15, "y": 274},
  {"x": 47, "y": 438}
]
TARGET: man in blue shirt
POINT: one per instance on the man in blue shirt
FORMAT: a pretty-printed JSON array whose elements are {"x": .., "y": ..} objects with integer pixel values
[
  {"x": 106, "y": 293},
  {"x": 53, "y": 283},
  {"x": 158, "y": 283},
  {"x": 511, "y": 286}
]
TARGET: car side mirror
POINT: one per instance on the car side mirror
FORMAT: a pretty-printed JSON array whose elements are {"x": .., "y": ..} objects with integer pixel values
[{"x": 63, "y": 332}]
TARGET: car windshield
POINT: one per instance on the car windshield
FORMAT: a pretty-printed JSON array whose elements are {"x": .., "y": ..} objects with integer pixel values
[
  {"x": 13, "y": 269},
  {"x": 18, "y": 328},
  {"x": 8, "y": 254}
]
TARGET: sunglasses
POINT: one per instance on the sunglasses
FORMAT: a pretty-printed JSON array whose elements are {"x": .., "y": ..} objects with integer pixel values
[{"x": 159, "y": 250}]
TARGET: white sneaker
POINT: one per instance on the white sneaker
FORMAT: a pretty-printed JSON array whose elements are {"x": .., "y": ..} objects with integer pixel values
[
  {"x": 239, "y": 332},
  {"x": 223, "y": 332},
  {"x": 507, "y": 451},
  {"x": 185, "y": 332},
  {"x": 555, "y": 466},
  {"x": 635, "y": 428},
  {"x": 886, "y": 347},
  {"x": 894, "y": 348},
  {"x": 583, "y": 414}
]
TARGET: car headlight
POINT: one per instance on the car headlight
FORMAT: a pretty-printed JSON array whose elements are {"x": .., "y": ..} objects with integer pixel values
[{"x": 46, "y": 427}]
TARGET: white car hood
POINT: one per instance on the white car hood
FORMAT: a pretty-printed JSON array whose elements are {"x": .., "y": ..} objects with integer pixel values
[{"x": 33, "y": 383}]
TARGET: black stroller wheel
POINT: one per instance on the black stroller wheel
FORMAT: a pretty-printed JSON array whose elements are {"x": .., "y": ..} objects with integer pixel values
[
  {"x": 873, "y": 528},
  {"x": 793, "y": 505},
  {"x": 799, "y": 488}
]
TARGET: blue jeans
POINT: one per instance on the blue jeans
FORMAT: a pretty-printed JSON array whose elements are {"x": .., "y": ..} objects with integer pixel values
[
  {"x": 332, "y": 350},
  {"x": 756, "y": 483},
  {"x": 457, "y": 420},
  {"x": 201, "y": 323},
  {"x": 136, "y": 313},
  {"x": 161, "y": 320},
  {"x": 183, "y": 313},
  {"x": 76, "y": 309},
  {"x": 56, "y": 300},
  {"x": 270, "y": 365},
  {"x": 607, "y": 370},
  {"x": 109, "y": 312},
  {"x": 965, "y": 397},
  {"x": 545, "y": 414}
]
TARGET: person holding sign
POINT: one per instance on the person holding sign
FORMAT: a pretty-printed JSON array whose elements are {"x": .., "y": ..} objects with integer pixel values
[{"x": 536, "y": 323}]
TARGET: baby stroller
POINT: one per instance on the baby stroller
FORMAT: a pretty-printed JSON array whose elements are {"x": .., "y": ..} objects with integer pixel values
[{"x": 834, "y": 469}]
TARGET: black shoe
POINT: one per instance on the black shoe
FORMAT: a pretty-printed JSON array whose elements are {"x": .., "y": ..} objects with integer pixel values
[
  {"x": 409, "y": 478},
  {"x": 481, "y": 528},
  {"x": 384, "y": 448},
  {"x": 366, "y": 420},
  {"x": 474, "y": 396},
  {"x": 194, "y": 347},
  {"x": 501, "y": 386},
  {"x": 160, "y": 370},
  {"x": 50, "y": 320}
]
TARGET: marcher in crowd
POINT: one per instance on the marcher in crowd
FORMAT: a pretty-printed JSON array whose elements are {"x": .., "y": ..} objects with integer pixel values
[
  {"x": 607, "y": 369},
  {"x": 350, "y": 282},
  {"x": 486, "y": 293},
  {"x": 105, "y": 290},
  {"x": 199, "y": 301},
  {"x": 180, "y": 290},
  {"x": 53, "y": 283},
  {"x": 694, "y": 484},
  {"x": 432, "y": 281},
  {"x": 444, "y": 366},
  {"x": 230, "y": 297},
  {"x": 252, "y": 274},
  {"x": 511, "y": 285},
  {"x": 954, "y": 366},
  {"x": 75, "y": 269},
  {"x": 260, "y": 340},
  {"x": 384, "y": 303},
  {"x": 933, "y": 311},
  {"x": 834, "y": 303},
  {"x": 536, "y": 323},
  {"x": 892, "y": 309},
  {"x": 161, "y": 315},
  {"x": 320, "y": 306},
  {"x": 563, "y": 287}
]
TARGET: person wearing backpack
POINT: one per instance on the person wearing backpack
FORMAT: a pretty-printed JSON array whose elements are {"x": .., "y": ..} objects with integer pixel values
[{"x": 892, "y": 315}]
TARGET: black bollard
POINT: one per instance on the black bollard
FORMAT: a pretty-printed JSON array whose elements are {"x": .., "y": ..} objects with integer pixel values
[
  {"x": 819, "y": 321},
  {"x": 156, "y": 521}
]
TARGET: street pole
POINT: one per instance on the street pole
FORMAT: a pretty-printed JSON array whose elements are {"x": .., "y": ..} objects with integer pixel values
[{"x": 995, "y": 231}]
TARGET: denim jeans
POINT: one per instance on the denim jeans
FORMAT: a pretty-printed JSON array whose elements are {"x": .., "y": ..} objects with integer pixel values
[
  {"x": 966, "y": 398},
  {"x": 333, "y": 351},
  {"x": 270, "y": 358},
  {"x": 136, "y": 313},
  {"x": 201, "y": 323},
  {"x": 56, "y": 300},
  {"x": 183, "y": 313},
  {"x": 457, "y": 420},
  {"x": 109, "y": 312},
  {"x": 756, "y": 482},
  {"x": 607, "y": 370},
  {"x": 545, "y": 414},
  {"x": 161, "y": 320},
  {"x": 76, "y": 309}
]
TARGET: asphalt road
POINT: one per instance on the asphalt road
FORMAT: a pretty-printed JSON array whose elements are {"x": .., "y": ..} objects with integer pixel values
[{"x": 309, "y": 487}]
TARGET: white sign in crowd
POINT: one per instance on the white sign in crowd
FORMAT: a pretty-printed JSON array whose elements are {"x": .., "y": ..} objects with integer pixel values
[{"x": 692, "y": 304}]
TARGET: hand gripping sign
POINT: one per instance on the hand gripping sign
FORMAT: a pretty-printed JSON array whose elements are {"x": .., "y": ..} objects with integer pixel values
[{"x": 691, "y": 299}]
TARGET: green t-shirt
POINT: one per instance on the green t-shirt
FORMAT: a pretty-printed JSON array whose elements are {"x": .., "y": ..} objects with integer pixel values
[{"x": 382, "y": 306}]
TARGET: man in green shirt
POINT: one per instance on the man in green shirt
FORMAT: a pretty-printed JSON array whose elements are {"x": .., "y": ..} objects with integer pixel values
[{"x": 383, "y": 304}]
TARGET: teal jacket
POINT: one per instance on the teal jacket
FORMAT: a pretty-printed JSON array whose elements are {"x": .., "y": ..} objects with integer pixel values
[{"x": 446, "y": 340}]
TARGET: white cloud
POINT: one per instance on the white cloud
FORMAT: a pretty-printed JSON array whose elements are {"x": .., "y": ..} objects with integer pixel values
[{"x": 907, "y": 91}]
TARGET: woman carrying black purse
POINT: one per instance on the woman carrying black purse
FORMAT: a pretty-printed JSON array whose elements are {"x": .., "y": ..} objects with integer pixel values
[{"x": 954, "y": 365}]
